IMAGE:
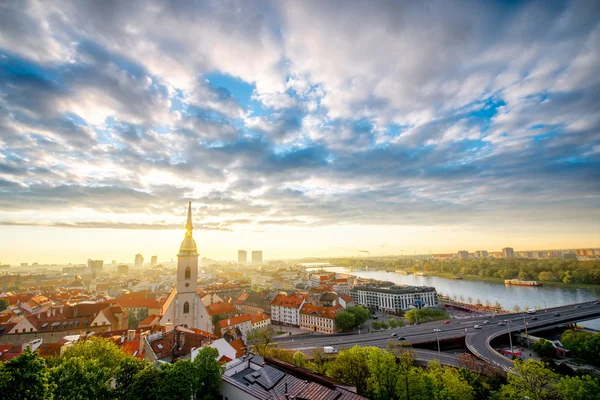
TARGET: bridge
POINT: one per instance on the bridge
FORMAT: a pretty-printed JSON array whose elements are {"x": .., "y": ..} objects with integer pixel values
[{"x": 478, "y": 341}]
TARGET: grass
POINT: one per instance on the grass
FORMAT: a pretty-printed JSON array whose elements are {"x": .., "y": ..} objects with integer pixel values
[{"x": 280, "y": 332}]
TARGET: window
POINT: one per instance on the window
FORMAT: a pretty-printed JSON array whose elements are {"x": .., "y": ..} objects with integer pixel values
[
  {"x": 186, "y": 307},
  {"x": 188, "y": 272}
]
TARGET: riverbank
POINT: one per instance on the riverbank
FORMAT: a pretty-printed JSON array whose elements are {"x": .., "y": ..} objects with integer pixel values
[{"x": 492, "y": 279}]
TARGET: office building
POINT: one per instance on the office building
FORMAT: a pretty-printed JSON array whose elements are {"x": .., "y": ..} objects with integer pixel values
[
  {"x": 395, "y": 298},
  {"x": 257, "y": 257},
  {"x": 95, "y": 266},
  {"x": 153, "y": 261},
  {"x": 508, "y": 252},
  {"x": 463, "y": 255},
  {"x": 242, "y": 257},
  {"x": 481, "y": 254},
  {"x": 139, "y": 261}
]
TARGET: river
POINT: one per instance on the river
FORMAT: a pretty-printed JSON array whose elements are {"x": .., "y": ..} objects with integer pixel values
[{"x": 507, "y": 296}]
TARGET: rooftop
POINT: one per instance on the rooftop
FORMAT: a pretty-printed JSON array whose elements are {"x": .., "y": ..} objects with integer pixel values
[{"x": 394, "y": 289}]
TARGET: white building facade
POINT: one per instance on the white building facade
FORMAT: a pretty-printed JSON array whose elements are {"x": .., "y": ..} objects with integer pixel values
[{"x": 395, "y": 298}]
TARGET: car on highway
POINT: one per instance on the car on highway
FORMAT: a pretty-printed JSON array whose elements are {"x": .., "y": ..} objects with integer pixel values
[
  {"x": 487, "y": 321},
  {"x": 501, "y": 324},
  {"x": 477, "y": 327},
  {"x": 394, "y": 334},
  {"x": 375, "y": 317},
  {"x": 446, "y": 321},
  {"x": 329, "y": 350},
  {"x": 531, "y": 311},
  {"x": 596, "y": 303},
  {"x": 534, "y": 318},
  {"x": 578, "y": 306},
  {"x": 557, "y": 314},
  {"x": 401, "y": 338}
]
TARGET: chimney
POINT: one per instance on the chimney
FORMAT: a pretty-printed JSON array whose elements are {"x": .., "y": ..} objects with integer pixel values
[
  {"x": 53, "y": 311},
  {"x": 228, "y": 322},
  {"x": 142, "y": 341},
  {"x": 130, "y": 335}
]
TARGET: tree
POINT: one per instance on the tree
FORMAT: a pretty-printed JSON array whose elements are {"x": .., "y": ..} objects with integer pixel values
[
  {"x": 410, "y": 379},
  {"x": 543, "y": 348},
  {"x": 516, "y": 308},
  {"x": 445, "y": 383},
  {"x": 260, "y": 339},
  {"x": 345, "y": 321},
  {"x": 208, "y": 374},
  {"x": 143, "y": 385},
  {"x": 350, "y": 366},
  {"x": 383, "y": 380},
  {"x": 25, "y": 377},
  {"x": 3, "y": 304},
  {"x": 300, "y": 359},
  {"x": 578, "y": 388},
  {"x": 532, "y": 379},
  {"x": 361, "y": 314},
  {"x": 87, "y": 370}
]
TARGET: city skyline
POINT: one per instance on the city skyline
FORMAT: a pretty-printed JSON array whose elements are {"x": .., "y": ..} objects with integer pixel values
[{"x": 293, "y": 132}]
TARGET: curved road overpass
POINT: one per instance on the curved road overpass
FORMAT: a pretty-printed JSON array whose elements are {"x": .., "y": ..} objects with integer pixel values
[{"x": 477, "y": 340}]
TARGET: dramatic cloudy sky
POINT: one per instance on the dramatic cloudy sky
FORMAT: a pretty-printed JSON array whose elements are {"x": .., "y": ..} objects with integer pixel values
[{"x": 304, "y": 128}]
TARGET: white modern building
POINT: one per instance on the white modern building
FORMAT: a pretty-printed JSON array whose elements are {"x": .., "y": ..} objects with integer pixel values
[{"x": 395, "y": 298}]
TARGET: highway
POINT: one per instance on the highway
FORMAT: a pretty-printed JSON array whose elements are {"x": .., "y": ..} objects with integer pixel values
[{"x": 477, "y": 340}]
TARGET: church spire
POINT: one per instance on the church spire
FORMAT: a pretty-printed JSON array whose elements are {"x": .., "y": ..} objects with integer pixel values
[{"x": 189, "y": 227}]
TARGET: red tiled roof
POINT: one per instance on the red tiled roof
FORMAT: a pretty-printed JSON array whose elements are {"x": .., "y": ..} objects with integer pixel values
[
  {"x": 346, "y": 298},
  {"x": 259, "y": 318},
  {"x": 287, "y": 301},
  {"x": 225, "y": 359},
  {"x": 128, "y": 302},
  {"x": 241, "y": 299},
  {"x": 221, "y": 308},
  {"x": 323, "y": 312},
  {"x": 234, "y": 321},
  {"x": 149, "y": 320},
  {"x": 240, "y": 348}
]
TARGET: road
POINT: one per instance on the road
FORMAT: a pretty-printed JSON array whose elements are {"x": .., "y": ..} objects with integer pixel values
[{"x": 477, "y": 340}]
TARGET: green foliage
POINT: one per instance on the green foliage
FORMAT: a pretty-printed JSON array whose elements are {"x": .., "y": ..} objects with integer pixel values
[
  {"x": 97, "y": 369},
  {"x": 345, "y": 321},
  {"x": 543, "y": 348},
  {"x": 350, "y": 366},
  {"x": 583, "y": 344},
  {"x": 425, "y": 315},
  {"x": 382, "y": 383},
  {"x": 379, "y": 325},
  {"x": 445, "y": 383},
  {"x": 3, "y": 304},
  {"x": 361, "y": 314},
  {"x": 578, "y": 388},
  {"x": 396, "y": 323},
  {"x": 531, "y": 379},
  {"x": 25, "y": 377},
  {"x": 300, "y": 359}
]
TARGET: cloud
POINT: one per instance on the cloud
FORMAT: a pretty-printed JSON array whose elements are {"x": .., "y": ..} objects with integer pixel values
[{"x": 351, "y": 113}]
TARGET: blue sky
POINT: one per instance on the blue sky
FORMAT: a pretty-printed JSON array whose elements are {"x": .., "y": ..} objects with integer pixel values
[{"x": 298, "y": 127}]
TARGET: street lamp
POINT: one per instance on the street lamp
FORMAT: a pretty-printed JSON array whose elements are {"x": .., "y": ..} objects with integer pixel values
[
  {"x": 525, "y": 324},
  {"x": 512, "y": 355},
  {"x": 437, "y": 336}
]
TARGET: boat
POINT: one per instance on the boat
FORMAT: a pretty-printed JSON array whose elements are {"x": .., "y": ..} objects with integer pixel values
[
  {"x": 518, "y": 282},
  {"x": 455, "y": 277},
  {"x": 420, "y": 273},
  {"x": 402, "y": 272}
]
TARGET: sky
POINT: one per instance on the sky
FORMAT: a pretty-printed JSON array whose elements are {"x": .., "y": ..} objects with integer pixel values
[{"x": 302, "y": 128}]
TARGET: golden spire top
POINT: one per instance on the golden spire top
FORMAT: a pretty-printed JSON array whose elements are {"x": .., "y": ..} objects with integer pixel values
[
  {"x": 189, "y": 227},
  {"x": 188, "y": 246}
]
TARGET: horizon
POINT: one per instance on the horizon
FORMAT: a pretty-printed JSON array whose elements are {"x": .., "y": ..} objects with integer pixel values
[{"x": 465, "y": 126}]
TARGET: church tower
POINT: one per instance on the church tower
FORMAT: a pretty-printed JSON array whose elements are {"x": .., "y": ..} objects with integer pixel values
[{"x": 186, "y": 304}]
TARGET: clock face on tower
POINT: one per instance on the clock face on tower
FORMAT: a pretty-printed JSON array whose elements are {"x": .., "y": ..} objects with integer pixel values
[{"x": 187, "y": 285}]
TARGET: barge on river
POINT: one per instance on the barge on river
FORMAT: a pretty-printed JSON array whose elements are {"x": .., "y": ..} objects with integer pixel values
[{"x": 518, "y": 282}]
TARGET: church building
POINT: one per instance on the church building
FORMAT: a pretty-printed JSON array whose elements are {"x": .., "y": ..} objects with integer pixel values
[{"x": 184, "y": 306}]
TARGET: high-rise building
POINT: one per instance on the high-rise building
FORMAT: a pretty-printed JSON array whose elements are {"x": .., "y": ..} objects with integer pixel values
[
  {"x": 153, "y": 261},
  {"x": 242, "y": 257},
  {"x": 463, "y": 255},
  {"x": 95, "y": 266},
  {"x": 481, "y": 254},
  {"x": 139, "y": 261},
  {"x": 257, "y": 257},
  {"x": 508, "y": 252}
]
